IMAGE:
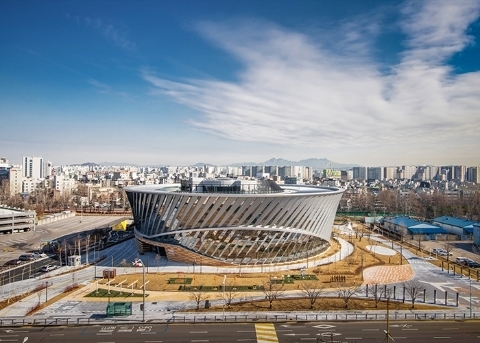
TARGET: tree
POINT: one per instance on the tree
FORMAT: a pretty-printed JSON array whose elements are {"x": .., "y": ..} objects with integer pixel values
[
  {"x": 87, "y": 247},
  {"x": 377, "y": 292},
  {"x": 158, "y": 258},
  {"x": 312, "y": 291},
  {"x": 413, "y": 289},
  {"x": 197, "y": 295},
  {"x": 476, "y": 251},
  {"x": 360, "y": 231},
  {"x": 229, "y": 295},
  {"x": 272, "y": 291},
  {"x": 448, "y": 247},
  {"x": 347, "y": 292}
]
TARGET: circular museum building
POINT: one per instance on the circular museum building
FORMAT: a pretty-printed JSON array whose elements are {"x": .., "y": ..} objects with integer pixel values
[{"x": 227, "y": 221}]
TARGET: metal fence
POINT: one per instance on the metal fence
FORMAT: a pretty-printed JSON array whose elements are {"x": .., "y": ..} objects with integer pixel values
[{"x": 245, "y": 318}]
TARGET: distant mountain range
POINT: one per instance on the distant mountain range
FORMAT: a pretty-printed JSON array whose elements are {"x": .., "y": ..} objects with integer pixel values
[{"x": 315, "y": 163}]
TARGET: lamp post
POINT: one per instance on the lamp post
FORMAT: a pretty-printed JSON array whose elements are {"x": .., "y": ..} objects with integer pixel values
[
  {"x": 223, "y": 307},
  {"x": 143, "y": 312},
  {"x": 470, "y": 296}
]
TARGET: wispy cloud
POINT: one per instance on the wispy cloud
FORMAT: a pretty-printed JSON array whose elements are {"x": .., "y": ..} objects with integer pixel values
[
  {"x": 107, "y": 89},
  {"x": 110, "y": 32},
  {"x": 293, "y": 90}
]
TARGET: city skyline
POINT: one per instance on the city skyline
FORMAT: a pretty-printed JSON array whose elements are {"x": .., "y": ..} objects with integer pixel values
[{"x": 178, "y": 83}]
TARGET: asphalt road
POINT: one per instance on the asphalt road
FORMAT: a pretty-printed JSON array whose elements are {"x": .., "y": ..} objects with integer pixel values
[{"x": 412, "y": 332}]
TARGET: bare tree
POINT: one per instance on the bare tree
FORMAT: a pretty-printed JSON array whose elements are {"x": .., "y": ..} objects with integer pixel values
[
  {"x": 360, "y": 231},
  {"x": 158, "y": 258},
  {"x": 377, "y": 292},
  {"x": 198, "y": 296},
  {"x": 347, "y": 292},
  {"x": 413, "y": 289},
  {"x": 272, "y": 291},
  {"x": 448, "y": 247},
  {"x": 229, "y": 295},
  {"x": 87, "y": 247},
  {"x": 476, "y": 250},
  {"x": 312, "y": 291}
]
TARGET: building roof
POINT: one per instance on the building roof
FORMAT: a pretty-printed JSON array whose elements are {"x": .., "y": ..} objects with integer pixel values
[
  {"x": 416, "y": 226},
  {"x": 426, "y": 229},
  {"x": 457, "y": 222}
]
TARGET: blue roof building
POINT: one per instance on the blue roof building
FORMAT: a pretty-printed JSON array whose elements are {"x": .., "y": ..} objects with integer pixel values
[
  {"x": 476, "y": 234},
  {"x": 407, "y": 226},
  {"x": 456, "y": 226}
]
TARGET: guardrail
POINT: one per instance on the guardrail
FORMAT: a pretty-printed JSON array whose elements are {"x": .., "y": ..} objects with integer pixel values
[{"x": 245, "y": 318}]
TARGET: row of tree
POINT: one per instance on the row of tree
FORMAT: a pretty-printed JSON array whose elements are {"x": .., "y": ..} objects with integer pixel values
[
  {"x": 45, "y": 200},
  {"x": 422, "y": 205},
  {"x": 315, "y": 290}
]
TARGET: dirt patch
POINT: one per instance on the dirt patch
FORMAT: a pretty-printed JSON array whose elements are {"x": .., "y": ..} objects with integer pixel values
[{"x": 322, "y": 304}]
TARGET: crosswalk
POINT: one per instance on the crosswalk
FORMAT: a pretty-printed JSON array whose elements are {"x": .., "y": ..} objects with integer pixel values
[
  {"x": 417, "y": 261},
  {"x": 266, "y": 333}
]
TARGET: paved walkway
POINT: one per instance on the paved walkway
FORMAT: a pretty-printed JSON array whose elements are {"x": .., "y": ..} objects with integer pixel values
[
  {"x": 388, "y": 274},
  {"x": 165, "y": 302}
]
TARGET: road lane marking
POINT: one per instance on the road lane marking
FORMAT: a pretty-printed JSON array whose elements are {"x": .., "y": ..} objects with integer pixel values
[
  {"x": 441, "y": 337},
  {"x": 198, "y": 331},
  {"x": 449, "y": 328}
]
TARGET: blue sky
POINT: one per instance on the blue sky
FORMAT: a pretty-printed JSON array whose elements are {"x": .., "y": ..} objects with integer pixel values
[{"x": 181, "y": 82}]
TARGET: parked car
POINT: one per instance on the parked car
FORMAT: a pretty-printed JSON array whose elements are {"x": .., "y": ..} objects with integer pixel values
[
  {"x": 48, "y": 268},
  {"x": 13, "y": 263},
  {"x": 137, "y": 263},
  {"x": 473, "y": 264},
  {"x": 441, "y": 252},
  {"x": 461, "y": 260},
  {"x": 26, "y": 257}
]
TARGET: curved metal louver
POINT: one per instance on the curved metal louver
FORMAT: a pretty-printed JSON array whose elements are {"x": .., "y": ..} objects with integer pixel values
[{"x": 237, "y": 228}]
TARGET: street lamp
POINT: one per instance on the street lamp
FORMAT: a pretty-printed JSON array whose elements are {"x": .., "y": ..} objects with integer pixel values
[
  {"x": 143, "y": 318},
  {"x": 470, "y": 296},
  {"x": 223, "y": 283}
]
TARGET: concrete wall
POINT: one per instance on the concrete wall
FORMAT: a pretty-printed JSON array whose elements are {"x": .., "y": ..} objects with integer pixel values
[{"x": 54, "y": 217}]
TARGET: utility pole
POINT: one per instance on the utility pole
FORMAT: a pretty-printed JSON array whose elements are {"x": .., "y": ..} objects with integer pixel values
[
  {"x": 143, "y": 314},
  {"x": 387, "y": 332},
  {"x": 224, "y": 278}
]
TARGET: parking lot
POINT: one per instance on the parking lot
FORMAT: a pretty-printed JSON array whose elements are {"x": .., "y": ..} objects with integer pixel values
[{"x": 16, "y": 244}]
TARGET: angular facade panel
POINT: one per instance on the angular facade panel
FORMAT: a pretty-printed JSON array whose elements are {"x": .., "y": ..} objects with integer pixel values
[{"x": 233, "y": 228}]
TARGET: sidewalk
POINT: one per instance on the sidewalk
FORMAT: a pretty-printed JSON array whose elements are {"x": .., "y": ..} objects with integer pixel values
[{"x": 163, "y": 304}]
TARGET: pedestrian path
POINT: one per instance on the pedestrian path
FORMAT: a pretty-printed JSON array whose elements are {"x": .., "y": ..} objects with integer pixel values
[{"x": 387, "y": 274}]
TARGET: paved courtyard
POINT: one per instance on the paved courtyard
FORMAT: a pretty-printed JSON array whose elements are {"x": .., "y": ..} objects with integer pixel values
[{"x": 388, "y": 274}]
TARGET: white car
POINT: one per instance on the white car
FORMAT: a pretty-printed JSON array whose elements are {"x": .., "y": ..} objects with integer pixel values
[
  {"x": 137, "y": 263},
  {"x": 48, "y": 268}
]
